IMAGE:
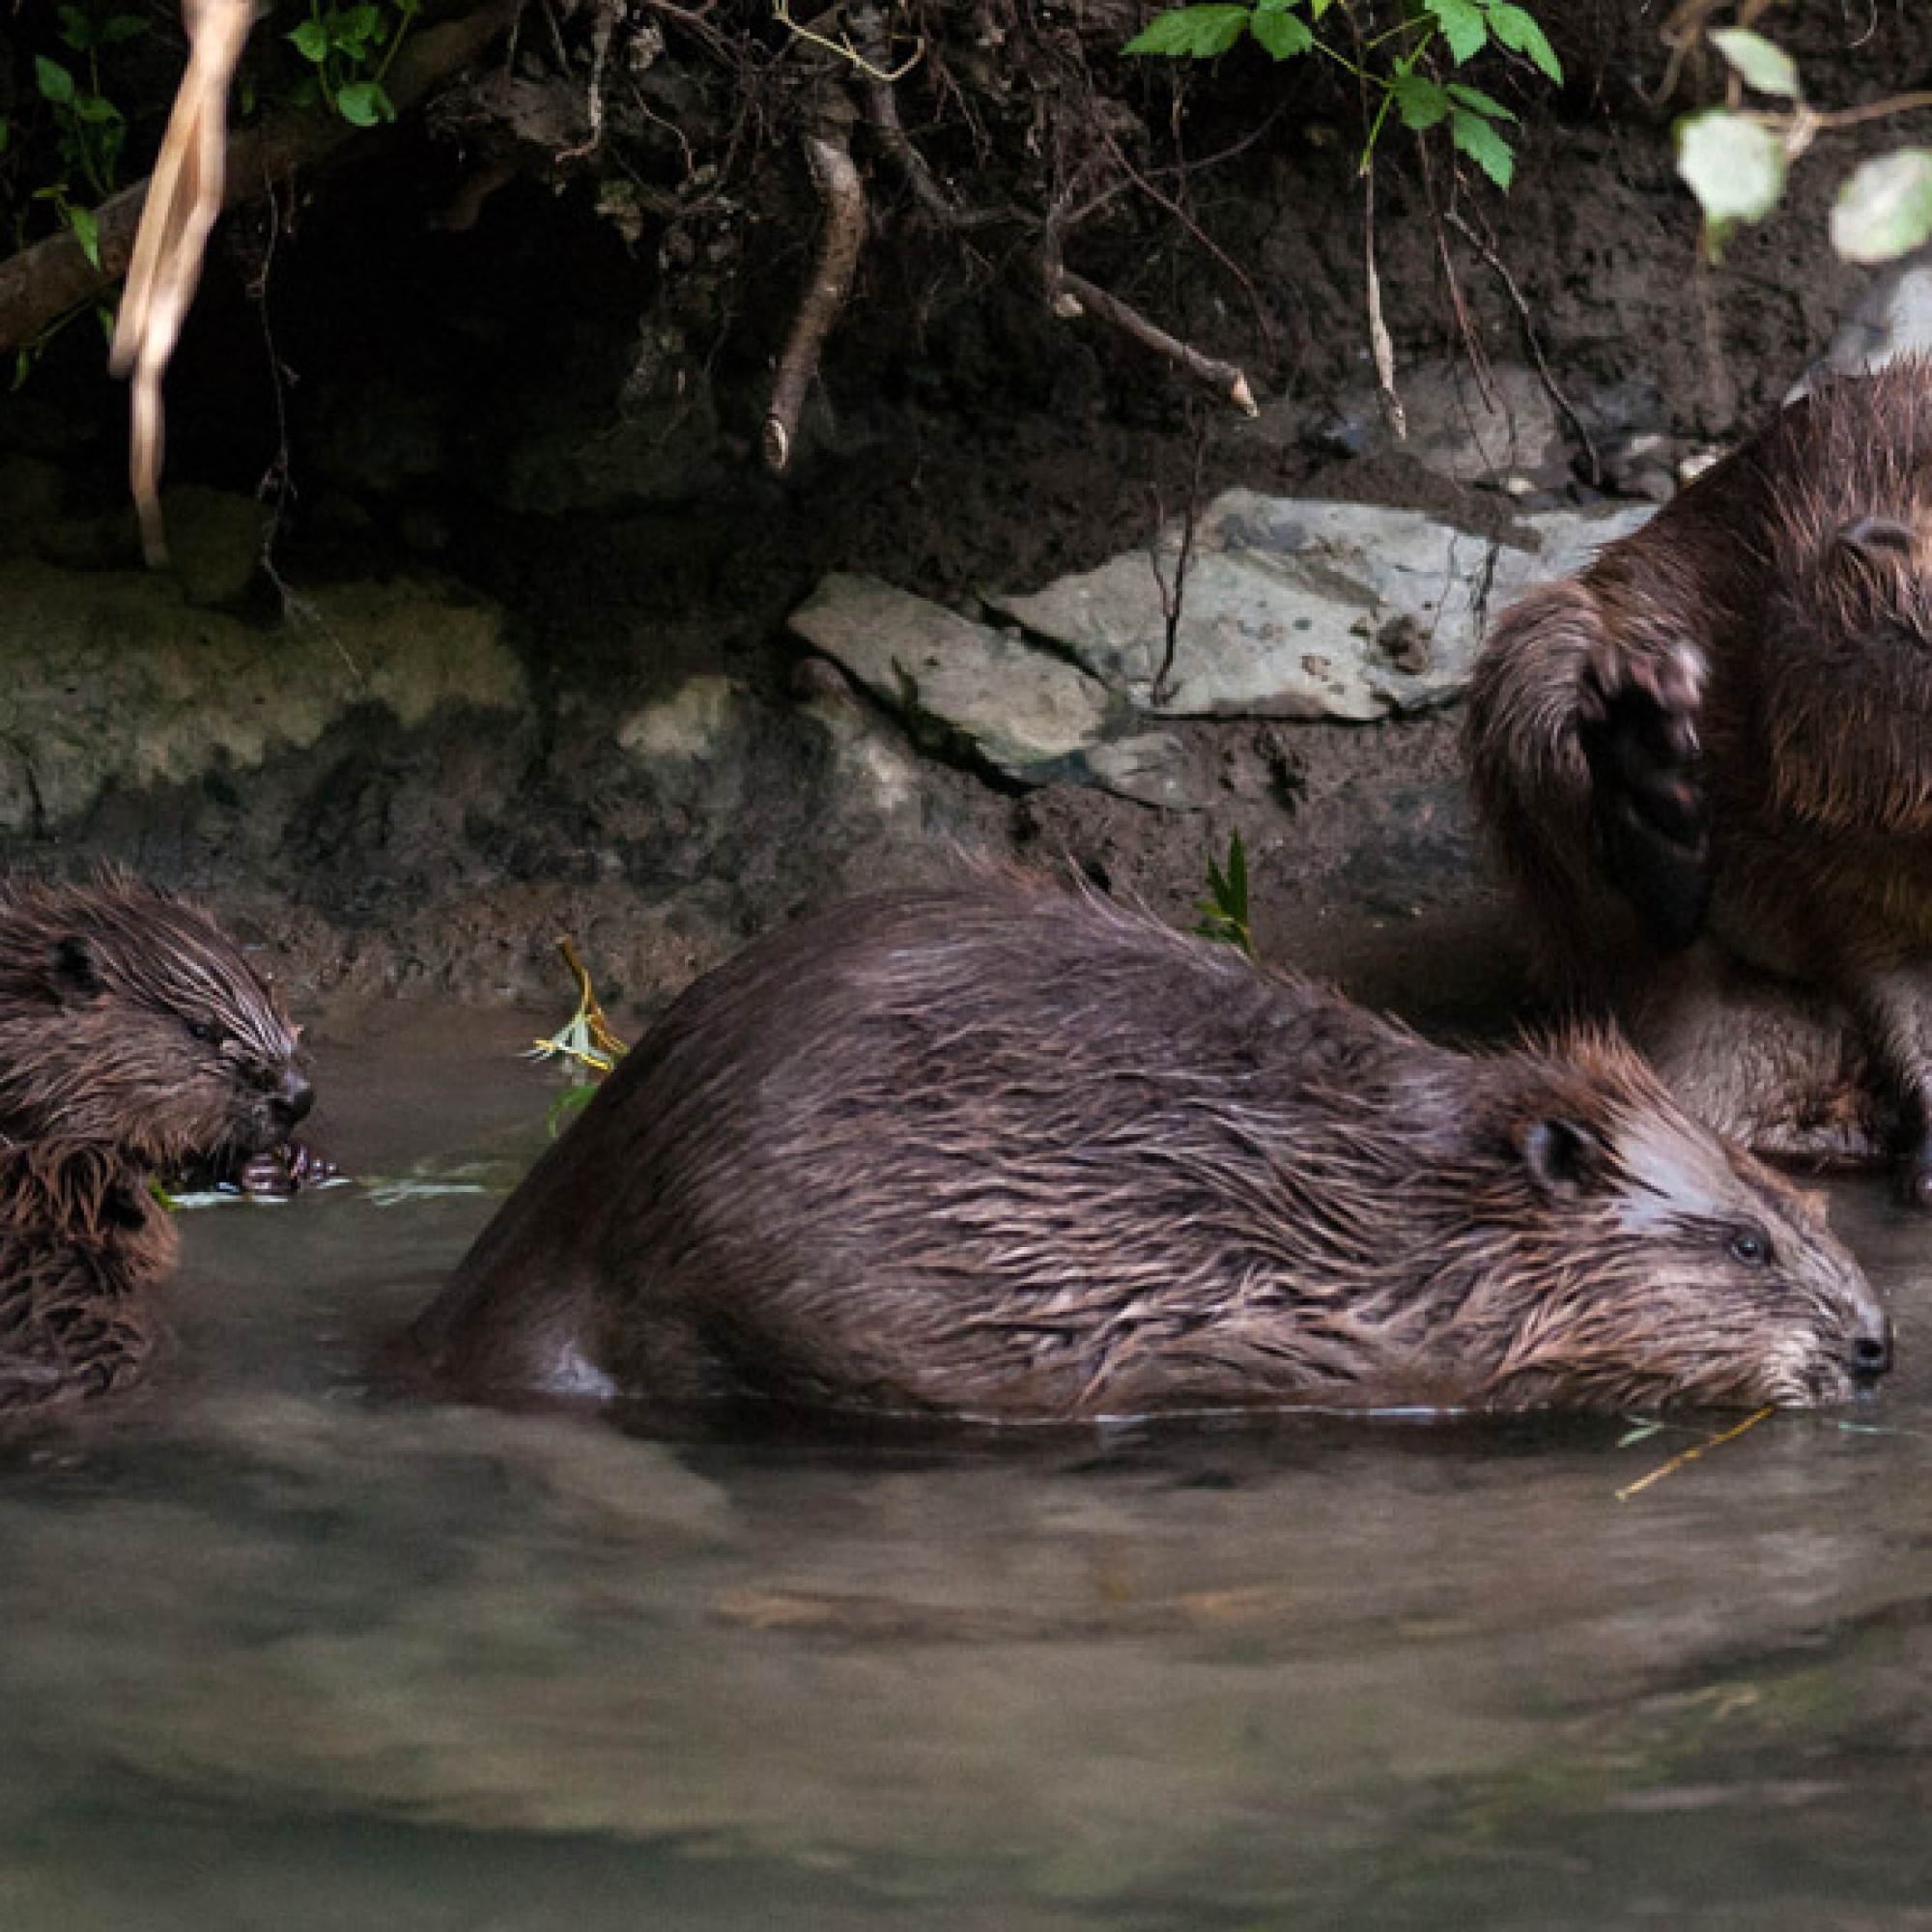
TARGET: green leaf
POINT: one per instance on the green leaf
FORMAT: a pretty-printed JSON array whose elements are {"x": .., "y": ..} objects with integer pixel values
[
  {"x": 76, "y": 28},
  {"x": 1485, "y": 104},
  {"x": 1757, "y": 62},
  {"x": 87, "y": 232},
  {"x": 311, "y": 40},
  {"x": 1479, "y": 140},
  {"x": 353, "y": 30},
  {"x": 362, "y": 104},
  {"x": 1734, "y": 166},
  {"x": 1421, "y": 104},
  {"x": 1193, "y": 33},
  {"x": 1885, "y": 208},
  {"x": 119, "y": 27},
  {"x": 94, "y": 109},
  {"x": 1462, "y": 26},
  {"x": 53, "y": 81},
  {"x": 1519, "y": 32},
  {"x": 1284, "y": 34}
]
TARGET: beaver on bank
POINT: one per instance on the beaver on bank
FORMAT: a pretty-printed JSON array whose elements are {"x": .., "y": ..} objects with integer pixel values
[
  {"x": 1009, "y": 1154},
  {"x": 1720, "y": 732},
  {"x": 134, "y": 1038}
]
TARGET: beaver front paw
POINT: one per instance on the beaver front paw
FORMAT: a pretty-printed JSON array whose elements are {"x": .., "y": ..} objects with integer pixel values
[
  {"x": 284, "y": 1169},
  {"x": 1637, "y": 724}
]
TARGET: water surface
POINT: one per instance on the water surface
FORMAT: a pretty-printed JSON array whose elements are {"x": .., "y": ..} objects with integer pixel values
[{"x": 285, "y": 1651}]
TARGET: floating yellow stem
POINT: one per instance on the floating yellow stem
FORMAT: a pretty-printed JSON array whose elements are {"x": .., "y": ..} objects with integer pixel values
[{"x": 1692, "y": 1454}]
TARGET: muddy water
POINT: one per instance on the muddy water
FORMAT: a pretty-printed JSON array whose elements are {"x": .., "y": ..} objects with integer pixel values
[{"x": 282, "y": 1651}]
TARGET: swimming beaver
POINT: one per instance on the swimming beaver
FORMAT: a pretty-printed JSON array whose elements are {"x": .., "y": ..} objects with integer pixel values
[
  {"x": 133, "y": 1037},
  {"x": 1005, "y": 1152},
  {"x": 1722, "y": 732}
]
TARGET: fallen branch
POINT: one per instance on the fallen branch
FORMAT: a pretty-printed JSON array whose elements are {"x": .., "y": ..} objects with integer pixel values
[
  {"x": 1073, "y": 296},
  {"x": 47, "y": 281},
  {"x": 839, "y": 188}
]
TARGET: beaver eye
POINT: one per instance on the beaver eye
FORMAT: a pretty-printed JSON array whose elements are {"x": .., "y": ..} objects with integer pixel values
[
  {"x": 1750, "y": 1246},
  {"x": 205, "y": 1032}
]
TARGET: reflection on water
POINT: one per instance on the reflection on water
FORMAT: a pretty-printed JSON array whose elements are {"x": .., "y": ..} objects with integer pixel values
[{"x": 283, "y": 1650}]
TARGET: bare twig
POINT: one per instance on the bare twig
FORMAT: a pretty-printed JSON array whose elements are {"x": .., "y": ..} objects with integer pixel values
[
  {"x": 1173, "y": 596},
  {"x": 1381, "y": 344},
  {"x": 847, "y": 52},
  {"x": 1074, "y": 295},
  {"x": 839, "y": 188},
  {"x": 1552, "y": 389},
  {"x": 1201, "y": 238}
]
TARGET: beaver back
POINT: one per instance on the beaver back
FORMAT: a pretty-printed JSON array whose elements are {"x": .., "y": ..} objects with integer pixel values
[{"x": 1016, "y": 1154}]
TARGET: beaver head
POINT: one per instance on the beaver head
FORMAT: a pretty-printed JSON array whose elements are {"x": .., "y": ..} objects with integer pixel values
[
  {"x": 1626, "y": 1253},
  {"x": 129, "y": 1018}
]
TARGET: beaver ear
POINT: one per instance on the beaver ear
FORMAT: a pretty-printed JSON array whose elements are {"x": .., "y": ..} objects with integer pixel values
[
  {"x": 70, "y": 969},
  {"x": 1876, "y": 540},
  {"x": 1564, "y": 1157}
]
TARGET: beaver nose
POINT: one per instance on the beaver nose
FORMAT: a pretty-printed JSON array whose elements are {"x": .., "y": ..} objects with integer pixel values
[
  {"x": 1871, "y": 1348},
  {"x": 292, "y": 1098}
]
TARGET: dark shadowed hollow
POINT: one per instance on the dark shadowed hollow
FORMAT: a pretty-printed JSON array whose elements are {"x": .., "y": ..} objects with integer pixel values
[{"x": 281, "y": 1649}]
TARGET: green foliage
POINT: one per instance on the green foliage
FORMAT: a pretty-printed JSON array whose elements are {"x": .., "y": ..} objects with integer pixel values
[
  {"x": 1224, "y": 911},
  {"x": 1735, "y": 158},
  {"x": 1402, "y": 65},
  {"x": 348, "y": 50},
  {"x": 1885, "y": 209}
]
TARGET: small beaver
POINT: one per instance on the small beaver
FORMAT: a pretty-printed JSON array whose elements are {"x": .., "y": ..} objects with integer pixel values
[
  {"x": 1009, "y": 1154},
  {"x": 1720, "y": 732},
  {"x": 133, "y": 1039}
]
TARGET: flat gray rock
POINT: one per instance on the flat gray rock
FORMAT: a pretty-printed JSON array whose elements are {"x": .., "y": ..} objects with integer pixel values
[
  {"x": 1024, "y": 712},
  {"x": 1306, "y": 608}
]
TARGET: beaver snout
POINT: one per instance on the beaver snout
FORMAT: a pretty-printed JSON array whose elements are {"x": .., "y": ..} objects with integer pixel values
[
  {"x": 292, "y": 1097},
  {"x": 1870, "y": 1355}
]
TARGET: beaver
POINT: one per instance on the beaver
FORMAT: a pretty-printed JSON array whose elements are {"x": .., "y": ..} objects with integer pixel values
[
  {"x": 1705, "y": 764},
  {"x": 134, "y": 1038},
  {"x": 1004, "y": 1152}
]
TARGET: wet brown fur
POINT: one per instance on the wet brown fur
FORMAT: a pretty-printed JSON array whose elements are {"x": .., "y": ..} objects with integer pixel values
[
  {"x": 1008, "y": 1153},
  {"x": 1789, "y": 593},
  {"x": 133, "y": 1036}
]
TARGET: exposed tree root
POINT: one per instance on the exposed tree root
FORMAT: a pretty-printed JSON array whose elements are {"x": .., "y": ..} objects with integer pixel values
[
  {"x": 1074, "y": 296},
  {"x": 839, "y": 188},
  {"x": 184, "y": 198}
]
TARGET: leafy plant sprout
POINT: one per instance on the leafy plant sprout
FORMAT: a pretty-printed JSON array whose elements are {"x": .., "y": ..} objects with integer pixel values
[
  {"x": 1224, "y": 911},
  {"x": 349, "y": 50},
  {"x": 1398, "y": 65}
]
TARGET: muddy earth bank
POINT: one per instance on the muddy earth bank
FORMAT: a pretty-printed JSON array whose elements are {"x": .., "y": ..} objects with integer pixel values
[{"x": 478, "y": 628}]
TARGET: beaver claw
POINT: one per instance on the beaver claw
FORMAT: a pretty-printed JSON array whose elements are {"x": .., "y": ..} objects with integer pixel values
[
  {"x": 1636, "y": 723},
  {"x": 284, "y": 1169},
  {"x": 274, "y": 1173}
]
